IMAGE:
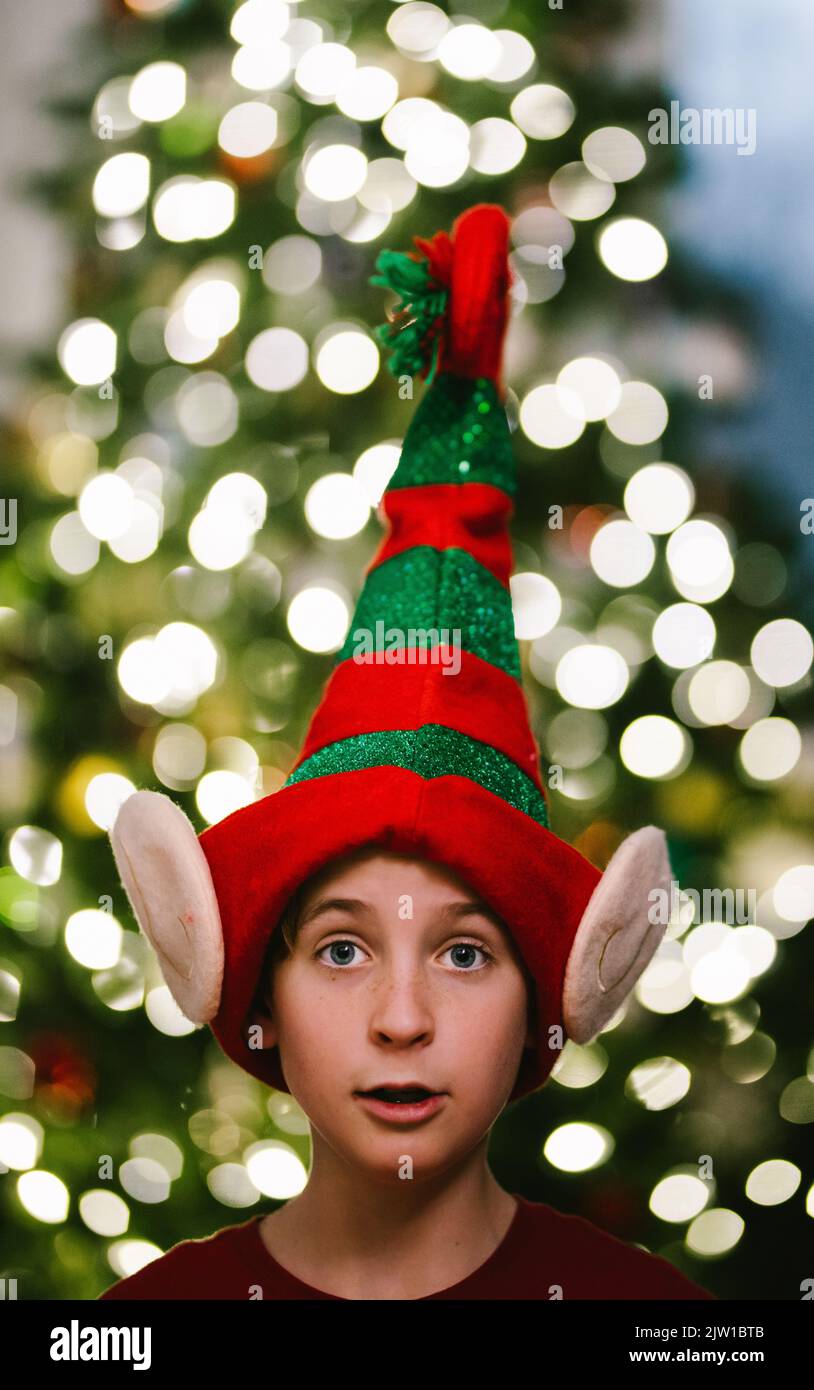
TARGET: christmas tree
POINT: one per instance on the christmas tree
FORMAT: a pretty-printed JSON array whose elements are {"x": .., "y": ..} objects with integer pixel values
[{"x": 191, "y": 493}]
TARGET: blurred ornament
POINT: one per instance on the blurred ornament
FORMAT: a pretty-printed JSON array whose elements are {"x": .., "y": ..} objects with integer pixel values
[{"x": 65, "y": 1086}]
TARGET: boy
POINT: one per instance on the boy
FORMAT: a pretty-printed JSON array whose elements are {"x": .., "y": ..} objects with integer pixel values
[{"x": 435, "y": 943}]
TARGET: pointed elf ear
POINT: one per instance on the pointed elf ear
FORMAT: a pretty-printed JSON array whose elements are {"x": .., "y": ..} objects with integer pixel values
[
  {"x": 615, "y": 939},
  {"x": 167, "y": 880}
]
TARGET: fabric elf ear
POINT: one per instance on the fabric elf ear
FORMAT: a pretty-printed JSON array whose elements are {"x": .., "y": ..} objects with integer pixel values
[
  {"x": 167, "y": 880},
  {"x": 616, "y": 937}
]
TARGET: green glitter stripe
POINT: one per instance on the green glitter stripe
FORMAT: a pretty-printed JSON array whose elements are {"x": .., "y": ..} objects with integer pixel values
[
  {"x": 458, "y": 434},
  {"x": 427, "y": 588},
  {"x": 431, "y": 751}
]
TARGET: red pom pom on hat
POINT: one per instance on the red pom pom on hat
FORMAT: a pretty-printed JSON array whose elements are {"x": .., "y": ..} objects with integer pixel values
[{"x": 474, "y": 265}]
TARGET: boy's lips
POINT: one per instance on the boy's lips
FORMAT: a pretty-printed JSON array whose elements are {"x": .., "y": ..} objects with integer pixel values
[{"x": 401, "y": 1104}]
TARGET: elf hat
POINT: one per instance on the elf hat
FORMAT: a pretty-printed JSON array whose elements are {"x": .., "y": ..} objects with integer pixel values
[{"x": 423, "y": 751}]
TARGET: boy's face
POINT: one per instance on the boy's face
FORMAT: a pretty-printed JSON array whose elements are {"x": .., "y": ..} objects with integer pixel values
[{"x": 407, "y": 979}]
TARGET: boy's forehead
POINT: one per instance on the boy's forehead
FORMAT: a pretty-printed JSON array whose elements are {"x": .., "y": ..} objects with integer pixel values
[
  {"x": 376, "y": 867},
  {"x": 367, "y": 875}
]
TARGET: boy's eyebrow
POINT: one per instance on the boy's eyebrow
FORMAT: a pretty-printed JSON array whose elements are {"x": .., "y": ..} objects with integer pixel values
[
  {"x": 323, "y": 905},
  {"x": 356, "y": 905},
  {"x": 472, "y": 909}
]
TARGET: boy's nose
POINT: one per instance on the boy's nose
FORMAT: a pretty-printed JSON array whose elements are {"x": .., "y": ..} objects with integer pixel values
[{"x": 401, "y": 1007}]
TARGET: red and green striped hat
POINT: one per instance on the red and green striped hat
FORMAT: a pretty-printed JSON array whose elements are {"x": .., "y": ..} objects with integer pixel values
[{"x": 424, "y": 749}]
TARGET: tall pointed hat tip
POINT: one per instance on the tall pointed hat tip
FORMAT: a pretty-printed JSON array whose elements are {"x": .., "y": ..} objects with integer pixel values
[{"x": 454, "y": 304}]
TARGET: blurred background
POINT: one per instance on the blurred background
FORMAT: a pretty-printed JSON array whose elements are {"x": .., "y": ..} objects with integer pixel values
[{"x": 197, "y": 429}]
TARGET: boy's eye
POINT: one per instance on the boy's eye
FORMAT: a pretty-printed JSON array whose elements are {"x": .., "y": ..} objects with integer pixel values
[
  {"x": 343, "y": 952},
  {"x": 464, "y": 955}
]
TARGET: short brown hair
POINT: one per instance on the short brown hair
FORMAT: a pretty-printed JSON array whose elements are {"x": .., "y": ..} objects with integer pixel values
[
  {"x": 281, "y": 942},
  {"x": 284, "y": 936}
]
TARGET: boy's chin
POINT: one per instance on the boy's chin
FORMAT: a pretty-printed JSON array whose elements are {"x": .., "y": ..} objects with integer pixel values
[
  {"x": 405, "y": 1160},
  {"x": 409, "y": 1154}
]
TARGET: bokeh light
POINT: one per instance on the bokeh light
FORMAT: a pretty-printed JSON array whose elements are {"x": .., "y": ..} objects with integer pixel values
[
  {"x": 592, "y": 676},
  {"x": 631, "y": 248},
  {"x": 158, "y": 91}
]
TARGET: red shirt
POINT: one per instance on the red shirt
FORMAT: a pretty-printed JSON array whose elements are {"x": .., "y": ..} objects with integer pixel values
[{"x": 542, "y": 1248}]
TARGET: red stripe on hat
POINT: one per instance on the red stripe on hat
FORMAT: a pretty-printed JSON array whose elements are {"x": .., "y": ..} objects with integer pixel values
[
  {"x": 471, "y": 516},
  {"x": 479, "y": 700}
]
